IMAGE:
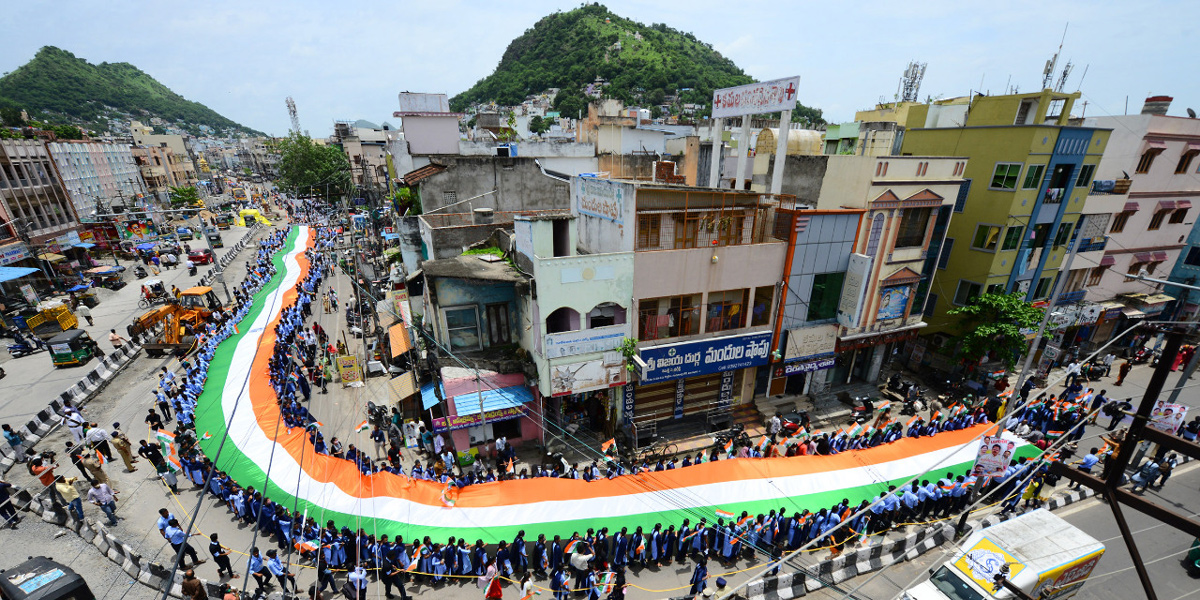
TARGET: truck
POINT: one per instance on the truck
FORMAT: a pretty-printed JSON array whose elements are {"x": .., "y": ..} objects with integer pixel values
[
  {"x": 1047, "y": 558},
  {"x": 53, "y": 318},
  {"x": 41, "y": 578},
  {"x": 177, "y": 319}
]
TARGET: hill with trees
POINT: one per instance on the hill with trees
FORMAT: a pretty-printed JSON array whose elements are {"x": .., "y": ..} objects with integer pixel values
[
  {"x": 56, "y": 85},
  {"x": 641, "y": 65}
]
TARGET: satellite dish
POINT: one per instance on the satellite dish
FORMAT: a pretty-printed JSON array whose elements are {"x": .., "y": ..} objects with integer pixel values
[{"x": 1191, "y": 113}]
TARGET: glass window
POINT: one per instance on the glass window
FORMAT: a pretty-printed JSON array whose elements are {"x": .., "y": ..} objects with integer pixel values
[
  {"x": 966, "y": 290},
  {"x": 1119, "y": 221},
  {"x": 986, "y": 237},
  {"x": 1033, "y": 177},
  {"x": 913, "y": 224},
  {"x": 687, "y": 227},
  {"x": 727, "y": 309},
  {"x": 1085, "y": 175},
  {"x": 1157, "y": 219},
  {"x": 462, "y": 326},
  {"x": 1185, "y": 161},
  {"x": 825, "y": 296},
  {"x": 1193, "y": 256},
  {"x": 1096, "y": 275},
  {"x": 1012, "y": 237},
  {"x": 1043, "y": 288},
  {"x": 930, "y": 305},
  {"x": 953, "y": 586},
  {"x": 1063, "y": 235},
  {"x": 995, "y": 288},
  {"x": 1178, "y": 216},
  {"x": 761, "y": 310},
  {"x": 1005, "y": 176},
  {"x": 673, "y": 316}
]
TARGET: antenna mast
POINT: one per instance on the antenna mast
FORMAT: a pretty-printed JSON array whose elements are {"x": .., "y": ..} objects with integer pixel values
[
  {"x": 1052, "y": 64},
  {"x": 910, "y": 82},
  {"x": 291, "y": 107}
]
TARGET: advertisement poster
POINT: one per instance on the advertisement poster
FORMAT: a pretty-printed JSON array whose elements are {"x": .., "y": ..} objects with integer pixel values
[
  {"x": 854, "y": 287},
  {"x": 995, "y": 453},
  {"x": 893, "y": 301},
  {"x": 983, "y": 562},
  {"x": 1165, "y": 417},
  {"x": 30, "y": 295},
  {"x": 575, "y": 378},
  {"x": 347, "y": 367},
  {"x": 136, "y": 230}
]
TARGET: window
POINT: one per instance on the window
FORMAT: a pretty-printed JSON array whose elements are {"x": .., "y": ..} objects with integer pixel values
[
  {"x": 825, "y": 296},
  {"x": 1147, "y": 159},
  {"x": 730, "y": 229},
  {"x": 687, "y": 227},
  {"x": 1063, "y": 235},
  {"x": 1178, "y": 216},
  {"x": 1119, "y": 221},
  {"x": 649, "y": 230},
  {"x": 1096, "y": 275},
  {"x": 727, "y": 310},
  {"x": 1193, "y": 257},
  {"x": 961, "y": 201},
  {"x": 930, "y": 305},
  {"x": 449, "y": 198},
  {"x": 1027, "y": 107},
  {"x": 1005, "y": 176},
  {"x": 660, "y": 318},
  {"x": 913, "y": 224},
  {"x": 986, "y": 237},
  {"x": 1185, "y": 161},
  {"x": 944, "y": 255},
  {"x": 1135, "y": 267},
  {"x": 1151, "y": 266},
  {"x": 760, "y": 311},
  {"x": 462, "y": 327},
  {"x": 1055, "y": 109},
  {"x": 1085, "y": 175},
  {"x": 995, "y": 288},
  {"x": 1043, "y": 288},
  {"x": 966, "y": 290},
  {"x": 1157, "y": 219},
  {"x": 1033, "y": 177},
  {"x": 1012, "y": 237},
  {"x": 605, "y": 314},
  {"x": 875, "y": 235}
]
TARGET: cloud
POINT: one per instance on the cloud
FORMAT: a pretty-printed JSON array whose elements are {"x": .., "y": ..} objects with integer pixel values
[{"x": 349, "y": 59}]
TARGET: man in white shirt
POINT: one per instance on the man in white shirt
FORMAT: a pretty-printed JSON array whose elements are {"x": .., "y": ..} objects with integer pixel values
[
  {"x": 1108, "y": 361},
  {"x": 99, "y": 439}
]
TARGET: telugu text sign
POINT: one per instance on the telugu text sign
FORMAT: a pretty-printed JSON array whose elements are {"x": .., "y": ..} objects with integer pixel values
[
  {"x": 756, "y": 98},
  {"x": 585, "y": 341},
  {"x": 600, "y": 198},
  {"x": 806, "y": 343},
  {"x": 703, "y": 357}
]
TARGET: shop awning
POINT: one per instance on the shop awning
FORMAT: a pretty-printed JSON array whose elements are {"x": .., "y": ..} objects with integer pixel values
[
  {"x": 52, "y": 257},
  {"x": 1108, "y": 260},
  {"x": 428, "y": 398},
  {"x": 398, "y": 338},
  {"x": 493, "y": 399},
  {"x": 11, "y": 273},
  {"x": 1132, "y": 313},
  {"x": 85, "y": 245},
  {"x": 1131, "y": 206},
  {"x": 1157, "y": 299}
]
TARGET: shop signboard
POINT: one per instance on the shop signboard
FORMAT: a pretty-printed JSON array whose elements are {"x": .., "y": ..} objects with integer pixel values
[
  {"x": 13, "y": 253},
  {"x": 347, "y": 367},
  {"x": 585, "y": 341},
  {"x": 807, "y": 343},
  {"x": 756, "y": 98},
  {"x": 464, "y": 421},
  {"x": 725, "y": 399},
  {"x": 805, "y": 367},
  {"x": 854, "y": 288},
  {"x": 627, "y": 405},
  {"x": 893, "y": 301},
  {"x": 576, "y": 378},
  {"x": 679, "y": 396},
  {"x": 704, "y": 357},
  {"x": 601, "y": 199}
]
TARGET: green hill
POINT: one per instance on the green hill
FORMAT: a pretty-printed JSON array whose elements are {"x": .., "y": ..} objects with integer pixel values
[
  {"x": 642, "y": 64},
  {"x": 56, "y": 84}
]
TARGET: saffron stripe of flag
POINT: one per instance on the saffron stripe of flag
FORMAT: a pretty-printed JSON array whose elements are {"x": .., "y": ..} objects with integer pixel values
[
  {"x": 910, "y": 422},
  {"x": 100, "y": 458},
  {"x": 882, "y": 406},
  {"x": 937, "y": 414},
  {"x": 746, "y": 519},
  {"x": 854, "y": 431},
  {"x": 729, "y": 447},
  {"x": 604, "y": 446},
  {"x": 570, "y": 546},
  {"x": 362, "y": 426},
  {"x": 206, "y": 436}
]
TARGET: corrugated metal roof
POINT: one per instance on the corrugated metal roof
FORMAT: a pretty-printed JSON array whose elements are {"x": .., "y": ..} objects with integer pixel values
[{"x": 493, "y": 399}]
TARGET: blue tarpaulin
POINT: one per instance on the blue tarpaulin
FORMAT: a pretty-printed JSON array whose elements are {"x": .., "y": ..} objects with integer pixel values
[
  {"x": 146, "y": 246},
  {"x": 391, "y": 236},
  {"x": 428, "y": 399},
  {"x": 11, "y": 273},
  {"x": 493, "y": 399},
  {"x": 85, "y": 245},
  {"x": 79, "y": 288}
]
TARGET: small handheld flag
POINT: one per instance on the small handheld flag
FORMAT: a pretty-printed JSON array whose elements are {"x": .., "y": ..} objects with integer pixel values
[
  {"x": 362, "y": 426},
  {"x": 724, "y": 514},
  {"x": 606, "y": 446},
  {"x": 206, "y": 436},
  {"x": 100, "y": 458}
]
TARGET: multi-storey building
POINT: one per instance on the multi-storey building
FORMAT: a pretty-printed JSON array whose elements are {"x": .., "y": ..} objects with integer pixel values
[
  {"x": 1024, "y": 190},
  {"x": 35, "y": 211},
  {"x": 92, "y": 172},
  {"x": 1144, "y": 188}
]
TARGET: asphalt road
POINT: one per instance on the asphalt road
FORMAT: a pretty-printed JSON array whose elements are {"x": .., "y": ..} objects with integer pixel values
[{"x": 32, "y": 381}]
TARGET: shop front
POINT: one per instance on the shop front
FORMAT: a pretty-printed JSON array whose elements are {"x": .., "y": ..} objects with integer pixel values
[
  {"x": 807, "y": 350},
  {"x": 694, "y": 383},
  {"x": 478, "y": 412},
  {"x": 860, "y": 356},
  {"x": 584, "y": 393}
]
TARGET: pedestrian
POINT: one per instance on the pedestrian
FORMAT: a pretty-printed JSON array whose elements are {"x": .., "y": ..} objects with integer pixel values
[
  {"x": 15, "y": 441},
  {"x": 1165, "y": 468},
  {"x": 177, "y": 537},
  {"x": 74, "y": 423},
  {"x": 151, "y": 453},
  {"x": 699, "y": 575},
  {"x": 168, "y": 476},
  {"x": 115, "y": 339},
  {"x": 99, "y": 439},
  {"x": 1108, "y": 362},
  {"x": 1085, "y": 464},
  {"x": 259, "y": 571},
  {"x": 76, "y": 454},
  {"x": 124, "y": 448},
  {"x": 355, "y": 587},
  {"x": 7, "y": 511},
  {"x": 1123, "y": 371},
  {"x": 103, "y": 496},
  {"x": 1145, "y": 475},
  {"x": 220, "y": 556},
  {"x": 86, "y": 313},
  {"x": 193, "y": 588},
  {"x": 46, "y": 476},
  {"x": 282, "y": 575},
  {"x": 66, "y": 489},
  {"x": 91, "y": 462}
]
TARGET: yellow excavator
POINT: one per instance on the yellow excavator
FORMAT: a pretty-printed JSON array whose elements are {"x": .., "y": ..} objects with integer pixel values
[{"x": 180, "y": 318}]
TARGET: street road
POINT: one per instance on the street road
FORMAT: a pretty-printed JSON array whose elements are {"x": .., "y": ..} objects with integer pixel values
[{"x": 32, "y": 381}]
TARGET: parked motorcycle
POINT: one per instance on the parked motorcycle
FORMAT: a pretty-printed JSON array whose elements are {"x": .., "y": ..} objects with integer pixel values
[
  {"x": 1142, "y": 355},
  {"x": 736, "y": 433},
  {"x": 861, "y": 407},
  {"x": 140, "y": 272},
  {"x": 22, "y": 348},
  {"x": 914, "y": 402}
]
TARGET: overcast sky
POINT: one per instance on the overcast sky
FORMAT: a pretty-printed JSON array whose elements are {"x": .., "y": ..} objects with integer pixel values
[{"x": 348, "y": 59}]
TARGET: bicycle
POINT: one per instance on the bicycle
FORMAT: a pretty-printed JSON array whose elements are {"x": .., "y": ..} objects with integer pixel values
[{"x": 659, "y": 449}]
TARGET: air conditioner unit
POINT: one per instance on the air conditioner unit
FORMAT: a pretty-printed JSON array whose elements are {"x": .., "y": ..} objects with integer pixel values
[
  {"x": 940, "y": 340},
  {"x": 1023, "y": 286}
]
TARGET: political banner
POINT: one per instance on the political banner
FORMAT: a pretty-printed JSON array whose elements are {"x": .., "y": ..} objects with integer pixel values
[{"x": 995, "y": 453}]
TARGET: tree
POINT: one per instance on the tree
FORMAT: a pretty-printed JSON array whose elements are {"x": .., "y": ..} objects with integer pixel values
[
  {"x": 10, "y": 116},
  {"x": 538, "y": 125},
  {"x": 305, "y": 166},
  {"x": 184, "y": 196},
  {"x": 993, "y": 323}
]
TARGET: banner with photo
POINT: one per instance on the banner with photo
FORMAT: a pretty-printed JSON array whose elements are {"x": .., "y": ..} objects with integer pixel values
[{"x": 994, "y": 455}]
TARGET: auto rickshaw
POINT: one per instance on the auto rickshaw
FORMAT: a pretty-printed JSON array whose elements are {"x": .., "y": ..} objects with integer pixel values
[
  {"x": 72, "y": 347},
  {"x": 153, "y": 292}
]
